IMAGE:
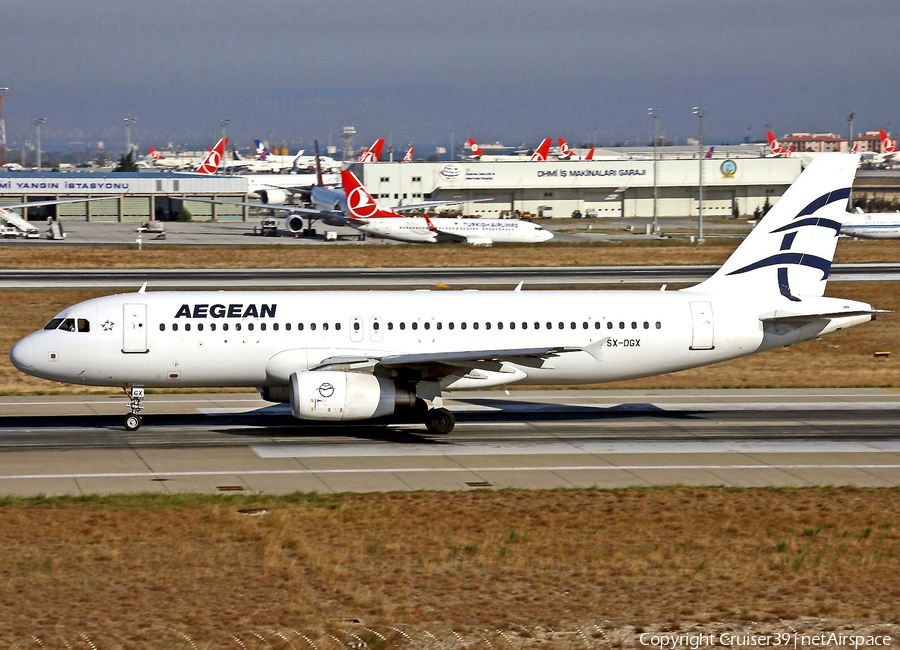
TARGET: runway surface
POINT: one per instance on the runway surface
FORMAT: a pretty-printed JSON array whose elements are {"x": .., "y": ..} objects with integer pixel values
[
  {"x": 396, "y": 277},
  {"x": 233, "y": 442}
]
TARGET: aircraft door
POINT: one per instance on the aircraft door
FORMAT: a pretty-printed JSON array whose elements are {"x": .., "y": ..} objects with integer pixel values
[
  {"x": 134, "y": 330},
  {"x": 702, "y": 319},
  {"x": 375, "y": 325}
]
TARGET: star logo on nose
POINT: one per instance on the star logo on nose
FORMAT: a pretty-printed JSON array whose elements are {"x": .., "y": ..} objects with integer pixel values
[{"x": 107, "y": 326}]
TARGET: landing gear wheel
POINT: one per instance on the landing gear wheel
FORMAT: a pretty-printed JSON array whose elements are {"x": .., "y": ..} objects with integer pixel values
[
  {"x": 133, "y": 422},
  {"x": 440, "y": 421}
]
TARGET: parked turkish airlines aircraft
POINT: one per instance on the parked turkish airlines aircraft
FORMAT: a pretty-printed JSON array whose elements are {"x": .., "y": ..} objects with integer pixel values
[
  {"x": 373, "y": 153},
  {"x": 156, "y": 159},
  {"x": 476, "y": 152},
  {"x": 777, "y": 150},
  {"x": 367, "y": 216},
  {"x": 567, "y": 153},
  {"x": 888, "y": 153},
  {"x": 371, "y": 354},
  {"x": 872, "y": 225},
  {"x": 409, "y": 155},
  {"x": 540, "y": 154},
  {"x": 339, "y": 356}
]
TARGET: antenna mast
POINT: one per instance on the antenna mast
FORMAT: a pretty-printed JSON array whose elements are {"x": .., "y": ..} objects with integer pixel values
[{"x": 5, "y": 93}]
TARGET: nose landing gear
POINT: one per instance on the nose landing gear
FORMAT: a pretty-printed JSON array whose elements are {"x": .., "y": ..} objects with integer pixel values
[{"x": 133, "y": 421}]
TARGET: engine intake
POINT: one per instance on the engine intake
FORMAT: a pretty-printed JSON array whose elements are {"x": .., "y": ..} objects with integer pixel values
[{"x": 336, "y": 396}]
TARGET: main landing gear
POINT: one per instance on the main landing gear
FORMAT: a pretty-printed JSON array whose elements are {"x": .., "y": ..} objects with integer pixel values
[
  {"x": 133, "y": 421},
  {"x": 440, "y": 421}
]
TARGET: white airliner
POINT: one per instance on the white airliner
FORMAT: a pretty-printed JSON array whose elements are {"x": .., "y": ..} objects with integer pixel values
[
  {"x": 341, "y": 356},
  {"x": 368, "y": 217},
  {"x": 872, "y": 225},
  {"x": 888, "y": 153}
]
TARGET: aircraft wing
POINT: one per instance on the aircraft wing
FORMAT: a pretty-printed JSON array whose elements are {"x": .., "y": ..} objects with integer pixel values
[
  {"x": 431, "y": 204},
  {"x": 312, "y": 212},
  {"x": 436, "y": 365},
  {"x": 33, "y": 204}
]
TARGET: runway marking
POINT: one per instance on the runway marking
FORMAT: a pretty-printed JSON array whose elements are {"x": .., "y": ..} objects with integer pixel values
[{"x": 411, "y": 470}]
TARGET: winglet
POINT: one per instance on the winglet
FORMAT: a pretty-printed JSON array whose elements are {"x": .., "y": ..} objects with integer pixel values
[{"x": 519, "y": 286}]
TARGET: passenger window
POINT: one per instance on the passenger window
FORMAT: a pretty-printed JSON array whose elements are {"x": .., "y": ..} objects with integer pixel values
[
  {"x": 633, "y": 325},
  {"x": 325, "y": 326},
  {"x": 53, "y": 324},
  {"x": 596, "y": 324},
  {"x": 212, "y": 327},
  {"x": 68, "y": 325},
  {"x": 312, "y": 327},
  {"x": 250, "y": 326},
  {"x": 573, "y": 325},
  {"x": 450, "y": 325},
  {"x": 162, "y": 327},
  {"x": 512, "y": 326},
  {"x": 224, "y": 327},
  {"x": 440, "y": 326},
  {"x": 658, "y": 325},
  {"x": 499, "y": 326},
  {"x": 609, "y": 325},
  {"x": 474, "y": 325},
  {"x": 199, "y": 327},
  {"x": 428, "y": 326},
  {"x": 299, "y": 327},
  {"x": 562, "y": 325},
  {"x": 584, "y": 325},
  {"x": 646, "y": 325},
  {"x": 83, "y": 325},
  {"x": 390, "y": 326},
  {"x": 337, "y": 326},
  {"x": 462, "y": 325},
  {"x": 187, "y": 327},
  {"x": 275, "y": 326},
  {"x": 174, "y": 327},
  {"x": 621, "y": 325},
  {"x": 402, "y": 326},
  {"x": 237, "y": 327},
  {"x": 355, "y": 327},
  {"x": 262, "y": 327},
  {"x": 415, "y": 326},
  {"x": 487, "y": 325},
  {"x": 287, "y": 327},
  {"x": 376, "y": 326}
]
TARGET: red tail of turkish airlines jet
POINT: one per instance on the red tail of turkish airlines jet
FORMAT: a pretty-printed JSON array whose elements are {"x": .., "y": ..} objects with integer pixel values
[
  {"x": 409, "y": 155},
  {"x": 476, "y": 152},
  {"x": 565, "y": 151},
  {"x": 855, "y": 148},
  {"x": 590, "y": 154},
  {"x": 154, "y": 154},
  {"x": 887, "y": 145},
  {"x": 210, "y": 164},
  {"x": 774, "y": 145},
  {"x": 360, "y": 203},
  {"x": 540, "y": 154},
  {"x": 373, "y": 153}
]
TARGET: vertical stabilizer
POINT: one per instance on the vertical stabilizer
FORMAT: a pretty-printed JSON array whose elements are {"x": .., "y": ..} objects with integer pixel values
[
  {"x": 210, "y": 164},
  {"x": 791, "y": 249}
]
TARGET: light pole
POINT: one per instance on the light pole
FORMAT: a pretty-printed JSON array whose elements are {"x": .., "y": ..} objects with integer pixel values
[
  {"x": 37, "y": 126},
  {"x": 225, "y": 122},
  {"x": 654, "y": 113},
  {"x": 451, "y": 143},
  {"x": 129, "y": 122},
  {"x": 700, "y": 111},
  {"x": 850, "y": 139}
]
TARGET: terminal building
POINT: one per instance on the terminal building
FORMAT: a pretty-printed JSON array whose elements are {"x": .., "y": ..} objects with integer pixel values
[{"x": 602, "y": 188}]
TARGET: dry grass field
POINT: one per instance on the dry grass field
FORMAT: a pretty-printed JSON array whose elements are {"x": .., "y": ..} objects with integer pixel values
[
  {"x": 839, "y": 359},
  {"x": 674, "y": 251},
  {"x": 141, "y": 567}
]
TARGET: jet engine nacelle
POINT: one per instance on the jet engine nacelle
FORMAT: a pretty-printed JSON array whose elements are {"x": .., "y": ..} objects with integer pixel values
[
  {"x": 294, "y": 222},
  {"x": 272, "y": 196},
  {"x": 333, "y": 395}
]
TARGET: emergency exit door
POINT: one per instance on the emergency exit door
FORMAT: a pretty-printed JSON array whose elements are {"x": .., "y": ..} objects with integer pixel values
[
  {"x": 702, "y": 319},
  {"x": 134, "y": 330}
]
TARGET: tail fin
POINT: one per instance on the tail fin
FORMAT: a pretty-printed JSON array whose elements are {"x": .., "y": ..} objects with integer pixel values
[
  {"x": 318, "y": 167},
  {"x": 774, "y": 145},
  {"x": 710, "y": 152},
  {"x": 360, "y": 203},
  {"x": 565, "y": 151},
  {"x": 154, "y": 154},
  {"x": 791, "y": 249},
  {"x": 210, "y": 164},
  {"x": 855, "y": 148},
  {"x": 409, "y": 155},
  {"x": 887, "y": 145},
  {"x": 540, "y": 154},
  {"x": 373, "y": 153},
  {"x": 590, "y": 154},
  {"x": 476, "y": 151}
]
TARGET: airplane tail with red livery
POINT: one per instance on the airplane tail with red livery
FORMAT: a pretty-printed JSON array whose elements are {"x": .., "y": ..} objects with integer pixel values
[
  {"x": 540, "y": 154},
  {"x": 409, "y": 155},
  {"x": 360, "y": 203},
  {"x": 775, "y": 147},
  {"x": 476, "y": 152},
  {"x": 709, "y": 154},
  {"x": 373, "y": 153},
  {"x": 590, "y": 154},
  {"x": 210, "y": 164},
  {"x": 887, "y": 144},
  {"x": 565, "y": 151},
  {"x": 154, "y": 154}
]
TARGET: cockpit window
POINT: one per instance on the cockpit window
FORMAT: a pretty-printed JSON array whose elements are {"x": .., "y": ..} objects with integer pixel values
[
  {"x": 68, "y": 325},
  {"x": 52, "y": 325},
  {"x": 84, "y": 325}
]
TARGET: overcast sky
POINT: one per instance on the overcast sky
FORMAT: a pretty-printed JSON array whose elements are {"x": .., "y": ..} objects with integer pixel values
[{"x": 509, "y": 70}]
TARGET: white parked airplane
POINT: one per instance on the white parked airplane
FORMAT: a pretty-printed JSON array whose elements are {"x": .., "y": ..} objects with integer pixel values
[
  {"x": 888, "y": 153},
  {"x": 872, "y": 225},
  {"x": 367, "y": 216},
  {"x": 340, "y": 356}
]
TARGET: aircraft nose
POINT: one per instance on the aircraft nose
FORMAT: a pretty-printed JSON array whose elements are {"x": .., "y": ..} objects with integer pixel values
[
  {"x": 22, "y": 355},
  {"x": 545, "y": 235}
]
